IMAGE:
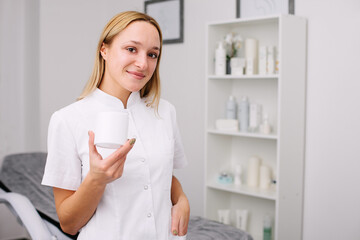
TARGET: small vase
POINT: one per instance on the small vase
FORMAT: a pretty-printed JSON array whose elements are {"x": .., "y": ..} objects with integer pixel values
[{"x": 228, "y": 66}]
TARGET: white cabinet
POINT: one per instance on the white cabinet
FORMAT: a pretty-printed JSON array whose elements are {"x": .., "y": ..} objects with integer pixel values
[{"x": 282, "y": 96}]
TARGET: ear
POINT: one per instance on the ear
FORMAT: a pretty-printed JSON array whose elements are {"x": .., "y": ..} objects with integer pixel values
[{"x": 103, "y": 50}]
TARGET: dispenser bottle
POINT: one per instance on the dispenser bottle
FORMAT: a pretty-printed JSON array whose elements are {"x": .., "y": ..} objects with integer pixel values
[
  {"x": 244, "y": 114},
  {"x": 220, "y": 59},
  {"x": 231, "y": 108}
]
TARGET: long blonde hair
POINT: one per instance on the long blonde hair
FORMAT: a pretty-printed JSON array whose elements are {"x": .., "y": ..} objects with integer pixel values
[{"x": 119, "y": 22}]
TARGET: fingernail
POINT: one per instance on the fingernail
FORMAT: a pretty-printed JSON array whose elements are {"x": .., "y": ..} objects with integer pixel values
[
  {"x": 132, "y": 141},
  {"x": 175, "y": 232}
]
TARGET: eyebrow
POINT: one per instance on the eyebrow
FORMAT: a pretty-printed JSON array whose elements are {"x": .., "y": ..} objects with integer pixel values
[{"x": 139, "y": 43}]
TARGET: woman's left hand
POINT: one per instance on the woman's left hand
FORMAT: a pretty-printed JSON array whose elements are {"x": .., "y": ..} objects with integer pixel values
[{"x": 180, "y": 214}]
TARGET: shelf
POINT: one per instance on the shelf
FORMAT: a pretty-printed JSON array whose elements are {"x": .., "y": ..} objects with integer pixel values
[
  {"x": 243, "y": 134},
  {"x": 245, "y": 190},
  {"x": 272, "y": 76},
  {"x": 282, "y": 97}
]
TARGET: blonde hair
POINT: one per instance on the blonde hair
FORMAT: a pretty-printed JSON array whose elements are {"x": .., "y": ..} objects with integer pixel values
[{"x": 119, "y": 22}]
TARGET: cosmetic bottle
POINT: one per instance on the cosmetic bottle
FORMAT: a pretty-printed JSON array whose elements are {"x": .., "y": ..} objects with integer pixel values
[
  {"x": 253, "y": 169},
  {"x": 220, "y": 59},
  {"x": 241, "y": 219},
  {"x": 238, "y": 175},
  {"x": 224, "y": 216},
  {"x": 262, "y": 60},
  {"x": 270, "y": 60},
  {"x": 244, "y": 114},
  {"x": 255, "y": 112},
  {"x": 265, "y": 127},
  {"x": 267, "y": 229},
  {"x": 265, "y": 177},
  {"x": 251, "y": 56},
  {"x": 231, "y": 108}
]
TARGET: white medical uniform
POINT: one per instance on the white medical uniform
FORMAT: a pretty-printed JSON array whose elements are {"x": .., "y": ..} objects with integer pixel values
[{"x": 136, "y": 206}]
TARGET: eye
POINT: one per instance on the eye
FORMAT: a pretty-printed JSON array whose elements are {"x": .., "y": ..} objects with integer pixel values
[
  {"x": 153, "y": 55},
  {"x": 131, "y": 49}
]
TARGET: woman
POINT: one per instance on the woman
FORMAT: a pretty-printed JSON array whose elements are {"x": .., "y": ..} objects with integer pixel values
[{"x": 128, "y": 193}]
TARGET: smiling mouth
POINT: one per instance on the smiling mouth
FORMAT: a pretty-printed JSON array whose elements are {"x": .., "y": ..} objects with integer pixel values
[{"x": 137, "y": 75}]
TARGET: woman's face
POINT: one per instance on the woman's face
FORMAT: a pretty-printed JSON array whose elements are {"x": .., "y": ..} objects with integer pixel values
[{"x": 131, "y": 58}]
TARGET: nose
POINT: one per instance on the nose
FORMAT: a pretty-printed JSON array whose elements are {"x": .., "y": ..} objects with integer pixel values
[{"x": 141, "y": 61}]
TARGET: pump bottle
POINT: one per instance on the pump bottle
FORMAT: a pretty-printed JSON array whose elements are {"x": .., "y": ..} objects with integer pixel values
[
  {"x": 244, "y": 114},
  {"x": 231, "y": 108},
  {"x": 220, "y": 60}
]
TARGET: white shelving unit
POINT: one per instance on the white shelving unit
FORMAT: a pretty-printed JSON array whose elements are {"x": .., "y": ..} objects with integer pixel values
[{"x": 282, "y": 96}]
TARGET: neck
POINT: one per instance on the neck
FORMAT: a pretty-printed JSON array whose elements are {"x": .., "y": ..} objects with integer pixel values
[{"x": 116, "y": 91}]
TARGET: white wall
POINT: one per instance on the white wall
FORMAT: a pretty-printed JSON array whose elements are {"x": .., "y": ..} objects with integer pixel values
[
  {"x": 332, "y": 192},
  {"x": 19, "y": 89},
  {"x": 19, "y": 76},
  {"x": 67, "y": 45}
]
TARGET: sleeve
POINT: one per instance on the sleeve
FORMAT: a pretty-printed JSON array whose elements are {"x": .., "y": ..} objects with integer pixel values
[
  {"x": 63, "y": 165},
  {"x": 180, "y": 160}
]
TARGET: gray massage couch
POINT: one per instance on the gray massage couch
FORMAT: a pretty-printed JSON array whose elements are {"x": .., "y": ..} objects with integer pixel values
[{"x": 33, "y": 204}]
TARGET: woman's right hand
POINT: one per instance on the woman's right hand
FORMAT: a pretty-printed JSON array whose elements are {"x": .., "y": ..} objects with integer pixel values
[
  {"x": 75, "y": 208},
  {"x": 104, "y": 171}
]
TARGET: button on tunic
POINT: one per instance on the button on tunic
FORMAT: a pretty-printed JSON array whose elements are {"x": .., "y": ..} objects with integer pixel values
[{"x": 138, "y": 204}]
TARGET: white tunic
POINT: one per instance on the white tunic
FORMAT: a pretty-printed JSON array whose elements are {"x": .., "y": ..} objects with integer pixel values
[{"x": 136, "y": 206}]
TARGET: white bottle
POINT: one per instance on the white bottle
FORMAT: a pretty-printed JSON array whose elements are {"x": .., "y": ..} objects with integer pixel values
[
  {"x": 251, "y": 56},
  {"x": 253, "y": 169},
  {"x": 237, "y": 175},
  {"x": 265, "y": 177},
  {"x": 231, "y": 108},
  {"x": 262, "y": 60},
  {"x": 265, "y": 127},
  {"x": 224, "y": 216},
  {"x": 220, "y": 60},
  {"x": 241, "y": 219},
  {"x": 244, "y": 114},
  {"x": 255, "y": 111},
  {"x": 270, "y": 60}
]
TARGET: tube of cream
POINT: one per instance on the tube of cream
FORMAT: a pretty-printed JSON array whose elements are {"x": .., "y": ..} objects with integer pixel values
[{"x": 241, "y": 219}]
